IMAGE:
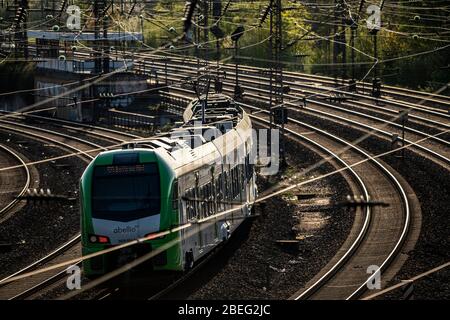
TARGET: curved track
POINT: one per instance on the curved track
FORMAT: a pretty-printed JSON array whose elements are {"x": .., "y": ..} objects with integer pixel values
[
  {"x": 432, "y": 147},
  {"x": 10, "y": 181},
  {"x": 378, "y": 248},
  {"x": 25, "y": 288},
  {"x": 429, "y": 118},
  {"x": 357, "y": 185},
  {"x": 383, "y": 231},
  {"x": 343, "y": 279},
  {"x": 256, "y": 86}
]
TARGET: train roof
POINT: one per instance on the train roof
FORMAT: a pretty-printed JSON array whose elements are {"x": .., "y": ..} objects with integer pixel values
[{"x": 182, "y": 145}]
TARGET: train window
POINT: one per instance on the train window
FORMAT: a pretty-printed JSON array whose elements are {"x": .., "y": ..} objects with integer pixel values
[
  {"x": 187, "y": 201},
  {"x": 211, "y": 198},
  {"x": 218, "y": 185},
  {"x": 125, "y": 193},
  {"x": 242, "y": 177},
  {"x": 238, "y": 179},
  {"x": 247, "y": 167},
  {"x": 225, "y": 181},
  {"x": 207, "y": 199},
  {"x": 209, "y": 206},
  {"x": 200, "y": 201},
  {"x": 230, "y": 184},
  {"x": 175, "y": 195},
  {"x": 195, "y": 203},
  {"x": 191, "y": 212},
  {"x": 192, "y": 203},
  {"x": 218, "y": 190},
  {"x": 235, "y": 182}
]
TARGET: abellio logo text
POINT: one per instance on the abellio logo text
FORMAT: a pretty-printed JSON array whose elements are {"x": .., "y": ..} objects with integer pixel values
[{"x": 127, "y": 229}]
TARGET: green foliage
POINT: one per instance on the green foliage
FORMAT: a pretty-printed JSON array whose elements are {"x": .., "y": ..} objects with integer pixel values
[{"x": 411, "y": 31}]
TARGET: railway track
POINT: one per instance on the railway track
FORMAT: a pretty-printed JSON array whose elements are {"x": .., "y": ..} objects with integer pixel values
[
  {"x": 418, "y": 100},
  {"x": 425, "y": 121},
  {"x": 343, "y": 279},
  {"x": 45, "y": 281},
  {"x": 433, "y": 147},
  {"x": 375, "y": 240},
  {"x": 106, "y": 134},
  {"x": 257, "y": 85},
  {"x": 30, "y": 286},
  {"x": 18, "y": 181},
  {"x": 325, "y": 81},
  {"x": 155, "y": 286},
  {"x": 359, "y": 249},
  {"x": 313, "y": 85},
  {"x": 422, "y": 103},
  {"x": 317, "y": 292},
  {"x": 362, "y": 216},
  {"x": 54, "y": 277}
]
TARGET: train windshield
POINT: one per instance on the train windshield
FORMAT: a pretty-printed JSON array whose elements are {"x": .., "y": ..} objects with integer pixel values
[{"x": 126, "y": 192}]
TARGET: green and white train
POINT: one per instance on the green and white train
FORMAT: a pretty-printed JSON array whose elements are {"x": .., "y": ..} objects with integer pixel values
[{"x": 196, "y": 171}]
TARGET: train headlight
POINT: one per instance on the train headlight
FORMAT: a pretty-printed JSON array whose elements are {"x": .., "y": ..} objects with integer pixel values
[{"x": 93, "y": 238}]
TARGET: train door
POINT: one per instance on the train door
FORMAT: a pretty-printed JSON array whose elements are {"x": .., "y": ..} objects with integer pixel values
[
  {"x": 214, "y": 204},
  {"x": 198, "y": 210}
]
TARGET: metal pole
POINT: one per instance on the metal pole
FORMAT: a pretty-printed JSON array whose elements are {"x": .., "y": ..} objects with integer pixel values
[
  {"x": 271, "y": 67},
  {"x": 217, "y": 11},
  {"x": 25, "y": 28},
  {"x": 279, "y": 75},
  {"x": 403, "y": 137},
  {"x": 205, "y": 30},
  {"x": 197, "y": 42},
  {"x": 335, "y": 44},
  {"x": 236, "y": 88},
  {"x": 352, "y": 44},
  {"x": 343, "y": 45},
  {"x": 97, "y": 56},
  {"x": 375, "y": 54},
  {"x": 375, "y": 82},
  {"x": 218, "y": 56},
  {"x": 105, "y": 42},
  {"x": 142, "y": 29}
]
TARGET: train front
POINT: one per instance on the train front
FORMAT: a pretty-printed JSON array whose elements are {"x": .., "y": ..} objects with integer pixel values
[{"x": 126, "y": 195}]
